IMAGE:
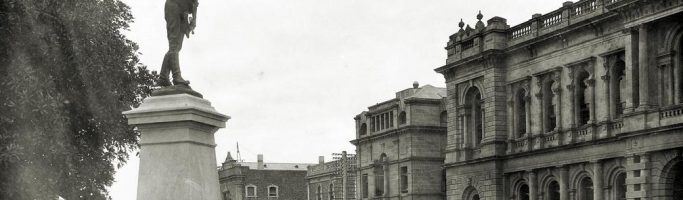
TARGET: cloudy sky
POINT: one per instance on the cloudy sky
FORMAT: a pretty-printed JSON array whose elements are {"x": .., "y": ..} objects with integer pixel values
[{"x": 292, "y": 74}]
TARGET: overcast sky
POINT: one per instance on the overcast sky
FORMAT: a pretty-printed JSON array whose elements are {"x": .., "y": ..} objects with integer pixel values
[{"x": 292, "y": 74}]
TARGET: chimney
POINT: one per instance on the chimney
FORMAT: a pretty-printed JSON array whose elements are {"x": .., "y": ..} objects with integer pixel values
[
  {"x": 260, "y": 161},
  {"x": 321, "y": 159}
]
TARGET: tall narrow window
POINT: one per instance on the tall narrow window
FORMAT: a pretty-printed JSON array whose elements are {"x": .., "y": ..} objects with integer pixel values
[
  {"x": 331, "y": 191},
  {"x": 475, "y": 118},
  {"x": 583, "y": 104},
  {"x": 391, "y": 119},
  {"x": 553, "y": 191},
  {"x": 521, "y": 112},
  {"x": 524, "y": 192},
  {"x": 379, "y": 180},
  {"x": 618, "y": 84},
  {"x": 443, "y": 118},
  {"x": 620, "y": 187},
  {"x": 586, "y": 189},
  {"x": 404, "y": 179},
  {"x": 550, "y": 118},
  {"x": 364, "y": 185},
  {"x": 363, "y": 129},
  {"x": 320, "y": 192},
  {"x": 478, "y": 116}
]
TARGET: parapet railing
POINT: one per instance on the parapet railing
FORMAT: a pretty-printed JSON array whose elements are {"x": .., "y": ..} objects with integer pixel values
[{"x": 570, "y": 13}]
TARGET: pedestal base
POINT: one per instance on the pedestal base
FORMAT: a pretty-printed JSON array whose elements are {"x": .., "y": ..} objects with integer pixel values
[{"x": 177, "y": 156}]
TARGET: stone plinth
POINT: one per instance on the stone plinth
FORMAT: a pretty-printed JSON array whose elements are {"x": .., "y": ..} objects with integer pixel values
[{"x": 177, "y": 155}]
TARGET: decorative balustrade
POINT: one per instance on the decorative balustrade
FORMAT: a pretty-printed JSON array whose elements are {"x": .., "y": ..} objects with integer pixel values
[
  {"x": 551, "y": 19},
  {"x": 671, "y": 113},
  {"x": 520, "y": 143},
  {"x": 616, "y": 125},
  {"x": 550, "y": 138},
  {"x": 584, "y": 131},
  {"x": 584, "y": 7},
  {"x": 557, "y": 17},
  {"x": 521, "y": 30}
]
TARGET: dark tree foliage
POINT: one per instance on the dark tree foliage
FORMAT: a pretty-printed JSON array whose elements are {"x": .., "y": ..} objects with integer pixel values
[{"x": 66, "y": 74}]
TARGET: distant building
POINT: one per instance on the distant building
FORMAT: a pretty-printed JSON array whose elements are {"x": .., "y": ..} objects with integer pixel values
[
  {"x": 262, "y": 181},
  {"x": 582, "y": 103},
  {"x": 328, "y": 180},
  {"x": 399, "y": 146}
]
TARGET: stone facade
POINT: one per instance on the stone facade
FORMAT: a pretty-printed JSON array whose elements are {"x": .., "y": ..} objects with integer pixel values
[
  {"x": 584, "y": 102},
  {"x": 399, "y": 146},
  {"x": 262, "y": 181},
  {"x": 327, "y": 180}
]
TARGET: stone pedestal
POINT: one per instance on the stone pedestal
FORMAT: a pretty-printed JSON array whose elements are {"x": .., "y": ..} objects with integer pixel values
[{"x": 177, "y": 155}]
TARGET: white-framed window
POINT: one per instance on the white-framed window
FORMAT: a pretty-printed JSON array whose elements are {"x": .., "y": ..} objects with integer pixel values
[
  {"x": 250, "y": 190},
  {"x": 273, "y": 191}
]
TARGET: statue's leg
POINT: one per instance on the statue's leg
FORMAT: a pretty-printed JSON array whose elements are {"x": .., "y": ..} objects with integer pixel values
[
  {"x": 174, "y": 31},
  {"x": 165, "y": 70}
]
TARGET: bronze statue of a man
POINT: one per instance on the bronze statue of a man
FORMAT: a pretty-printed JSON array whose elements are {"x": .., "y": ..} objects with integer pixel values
[{"x": 181, "y": 19}]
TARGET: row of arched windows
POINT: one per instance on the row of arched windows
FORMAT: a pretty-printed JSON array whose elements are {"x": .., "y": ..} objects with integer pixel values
[{"x": 580, "y": 94}]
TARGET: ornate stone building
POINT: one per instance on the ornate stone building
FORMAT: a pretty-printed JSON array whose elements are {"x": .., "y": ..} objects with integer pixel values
[
  {"x": 262, "y": 181},
  {"x": 399, "y": 145},
  {"x": 584, "y": 102}
]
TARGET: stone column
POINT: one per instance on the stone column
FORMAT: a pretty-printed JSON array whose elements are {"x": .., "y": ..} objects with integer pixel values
[
  {"x": 630, "y": 72},
  {"x": 643, "y": 66},
  {"x": 597, "y": 180},
  {"x": 533, "y": 194},
  {"x": 177, "y": 155},
  {"x": 564, "y": 180}
]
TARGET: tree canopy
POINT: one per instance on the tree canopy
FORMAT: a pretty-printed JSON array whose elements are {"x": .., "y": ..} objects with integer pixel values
[{"x": 66, "y": 74}]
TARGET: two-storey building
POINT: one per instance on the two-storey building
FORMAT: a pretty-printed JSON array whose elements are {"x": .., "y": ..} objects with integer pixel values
[{"x": 399, "y": 146}]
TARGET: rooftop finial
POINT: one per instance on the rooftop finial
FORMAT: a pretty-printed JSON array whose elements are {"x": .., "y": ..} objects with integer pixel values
[
  {"x": 416, "y": 84},
  {"x": 480, "y": 16},
  {"x": 461, "y": 24}
]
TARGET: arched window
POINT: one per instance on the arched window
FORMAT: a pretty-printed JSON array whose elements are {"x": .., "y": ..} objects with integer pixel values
[
  {"x": 523, "y": 193},
  {"x": 443, "y": 118},
  {"x": 331, "y": 191},
  {"x": 363, "y": 129},
  {"x": 402, "y": 118},
  {"x": 474, "y": 121},
  {"x": 582, "y": 101},
  {"x": 620, "y": 187},
  {"x": 521, "y": 108},
  {"x": 586, "y": 189},
  {"x": 550, "y": 117},
  {"x": 553, "y": 191}
]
